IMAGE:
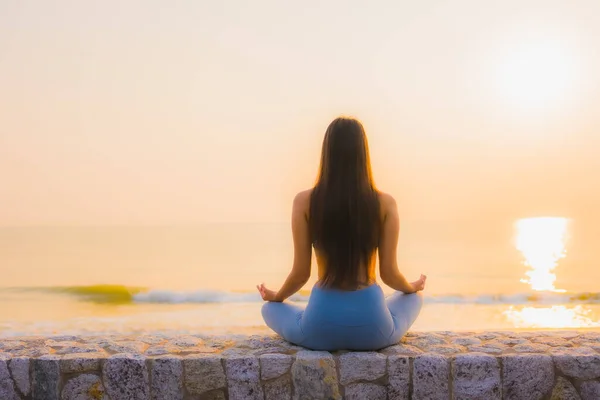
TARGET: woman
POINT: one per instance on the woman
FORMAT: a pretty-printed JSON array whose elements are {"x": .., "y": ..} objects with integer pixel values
[{"x": 346, "y": 220}]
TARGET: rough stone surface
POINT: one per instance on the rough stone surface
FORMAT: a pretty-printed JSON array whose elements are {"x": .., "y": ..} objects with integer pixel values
[
  {"x": 486, "y": 335},
  {"x": 527, "y": 377},
  {"x": 7, "y": 388},
  {"x": 19, "y": 369},
  {"x": 476, "y": 376},
  {"x": 367, "y": 366},
  {"x": 129, "y": 347},
  {"x": 461, "y": 365},
  {"x": 552, "y": 341},
  {"x": 364, "y": 391},
  {"x": 278, "y": 389},
  {"x": 214, "y": 395},
  {"x": 574, "y": 364},
  {"x": 84, "y": 387},
  {"x": 185, "y": 341},
  {"x": 564, "y": 390},
  {"x": 531, "y": 348},
  {"x": 446, "y": 349},
  {"x": 166, "y": 375},
  {"x": 274, "y": 365},
  {"x": 590, "y": 390},
  {"x": 73, "y": 363},
  {"x": 46, "y": 377},
  {"x": 243, "y": 378},
  {"x": 425, "y": 341},
  {"x": 126, "y": 376},
  {"x": 203, "y": 374},
  {"x": 402, "y": 349},
  {"x": 77, "y": 349},
  {"x": 466, "y": 341},
  {"x": 398, "y": 377},
  {"x": 315, "y": 376},
  {"x": 430, "y": 377},
  {"x": 490, "y": 347}
]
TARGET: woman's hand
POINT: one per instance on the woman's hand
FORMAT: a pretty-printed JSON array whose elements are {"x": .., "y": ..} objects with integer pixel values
[
  {"x": 267, "y": 294},
  {"x": 419, "y": 284}
]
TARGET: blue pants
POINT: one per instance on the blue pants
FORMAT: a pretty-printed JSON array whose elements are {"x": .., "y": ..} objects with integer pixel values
[{"x": 345, "y": 320}]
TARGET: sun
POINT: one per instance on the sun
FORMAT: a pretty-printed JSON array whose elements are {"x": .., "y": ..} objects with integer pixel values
[{"x": 539, "y": 73}]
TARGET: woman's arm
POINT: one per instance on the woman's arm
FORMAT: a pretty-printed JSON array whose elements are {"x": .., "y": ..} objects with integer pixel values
[
  {"x": 388, "y": 263},
  {"x": 302, "y": 250}
]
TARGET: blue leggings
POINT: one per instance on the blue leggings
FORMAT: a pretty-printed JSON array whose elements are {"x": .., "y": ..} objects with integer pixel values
[{"x": 345, "y": 320}]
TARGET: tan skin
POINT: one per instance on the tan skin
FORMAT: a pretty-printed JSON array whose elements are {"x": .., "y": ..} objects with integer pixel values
[{"x": 388, "y": 265}]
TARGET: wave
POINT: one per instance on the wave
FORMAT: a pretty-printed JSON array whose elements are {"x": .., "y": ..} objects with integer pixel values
[
  {"x": 120, "y": 294},
  {"x": 519, "y": 298}
]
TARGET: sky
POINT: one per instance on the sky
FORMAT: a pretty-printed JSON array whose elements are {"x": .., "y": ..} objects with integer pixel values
[{"x": 148, "y": 112}]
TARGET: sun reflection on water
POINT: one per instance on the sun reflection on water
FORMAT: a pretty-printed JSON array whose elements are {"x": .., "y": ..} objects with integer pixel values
[
  {"x": 541, "y": 241},
  {"x": 557, "y": 316}
]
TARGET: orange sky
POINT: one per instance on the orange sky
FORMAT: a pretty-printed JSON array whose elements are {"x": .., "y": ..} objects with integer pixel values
[{"x": 143, "y": 113}]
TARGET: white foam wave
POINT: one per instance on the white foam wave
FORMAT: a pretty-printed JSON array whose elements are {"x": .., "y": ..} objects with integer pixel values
[
  {"x": 519, "y": 298},
  {"x": 208, "y": 296},
  {"x": 201, "y": 296}
]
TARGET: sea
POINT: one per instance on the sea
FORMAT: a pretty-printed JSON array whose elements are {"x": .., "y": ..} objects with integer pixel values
[{"x": 532, "y": 273}]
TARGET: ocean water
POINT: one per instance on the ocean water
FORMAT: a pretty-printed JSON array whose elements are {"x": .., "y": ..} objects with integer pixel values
[{"x": 201, "y": 278}]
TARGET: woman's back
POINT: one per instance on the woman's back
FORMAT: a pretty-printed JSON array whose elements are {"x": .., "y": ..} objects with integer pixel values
[
  {"x": 344, "y": 214},
  {"x": 347, "y": 221}
]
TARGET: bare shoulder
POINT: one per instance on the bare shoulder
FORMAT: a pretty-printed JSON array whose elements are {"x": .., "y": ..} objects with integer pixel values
[
  {"x": 387, "y": 204},
  {"x": 302, "y": 200},
  {"x": 386, "y": 200}
]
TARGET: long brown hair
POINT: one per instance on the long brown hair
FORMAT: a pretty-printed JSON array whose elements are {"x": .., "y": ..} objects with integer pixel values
[{"x": 344, "y": 205}]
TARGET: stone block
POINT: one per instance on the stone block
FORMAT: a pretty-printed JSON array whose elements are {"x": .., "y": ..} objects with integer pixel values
[
  {"x": 430, "y": 377},
  {"x": 84, "y": 387},
  {"x": 398, "y": 377},
  {"x": 203, "y": 374},
  {"x": 19, "y": 369},
  {"x": 527, "y": 376},
  {"x": 589, "y": 390},
  {"x": 46, "y": 377},
  {"x": 7, "y": 387},
  {"x": 564, "y": 390},
  {"x": 166, "y": 378},
  {"x": 476, "y": 376},
  {"x": 274, "y": 365},
  {"x": 243, "y": 378},
  {"x": 77, "y": 363},
  {"x": 126, "y": 377},
  {"x": 361, "y": 366},
  {"x": 314, "y": 376},
  {"x": 577, "y": 364},
  {"x": 278, "y": 389},
  {"x": 364, "y": 391}
]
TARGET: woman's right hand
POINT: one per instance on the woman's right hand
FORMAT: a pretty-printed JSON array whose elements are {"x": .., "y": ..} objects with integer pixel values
[
  {"x": 267, "y": 294},
  {"x": 419, "y": 284}
]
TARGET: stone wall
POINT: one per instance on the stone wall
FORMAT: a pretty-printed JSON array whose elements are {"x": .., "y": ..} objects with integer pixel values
[{"x": 485, "y": 365}]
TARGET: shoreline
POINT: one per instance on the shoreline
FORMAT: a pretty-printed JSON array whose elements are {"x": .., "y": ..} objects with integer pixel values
[{"x": 540, "y": 364}]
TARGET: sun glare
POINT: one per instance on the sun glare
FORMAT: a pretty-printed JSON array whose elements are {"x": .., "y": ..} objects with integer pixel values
[
  {"x": 535, "y": 74},
  {"x": 551, "y": 317},
  {"x": 542, "y": 243}
]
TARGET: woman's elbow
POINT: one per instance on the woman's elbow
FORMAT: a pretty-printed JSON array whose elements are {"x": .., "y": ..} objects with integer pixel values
[
  {"x": 302, "y": 276},
  {"x": 386, "y": 277}
]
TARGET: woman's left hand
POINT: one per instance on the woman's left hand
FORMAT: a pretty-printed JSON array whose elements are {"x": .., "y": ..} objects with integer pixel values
[{"x": 266, "y": 294}]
